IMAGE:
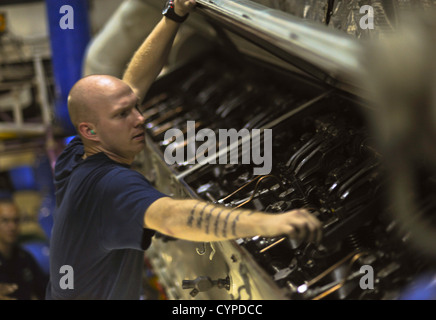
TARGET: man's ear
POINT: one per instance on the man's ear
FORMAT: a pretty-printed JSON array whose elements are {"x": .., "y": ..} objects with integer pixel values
[{"x": 88, "y": 131}]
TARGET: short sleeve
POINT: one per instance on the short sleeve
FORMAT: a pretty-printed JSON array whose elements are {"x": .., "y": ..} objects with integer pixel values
[{"x": 126, "y": 197}]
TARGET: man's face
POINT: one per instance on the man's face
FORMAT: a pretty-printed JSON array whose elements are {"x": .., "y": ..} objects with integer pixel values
[
  {"x": 9, "y": 223},
  {"x": 120, "y": 124}
]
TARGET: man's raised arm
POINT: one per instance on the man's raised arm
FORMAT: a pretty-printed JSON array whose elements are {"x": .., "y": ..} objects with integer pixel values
[{"x": 149, "y": 59}]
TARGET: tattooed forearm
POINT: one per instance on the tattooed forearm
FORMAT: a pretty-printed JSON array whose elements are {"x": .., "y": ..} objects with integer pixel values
[
  {"x": 226, "y": 218},
  {"x": 191, "y": 216},
  {"x": 217, "y": 220},
  {"x": 235, "y": 220},
  {"x": 226, "y": 221},
  {"x": 200, "y": 218},
  {"x": 208, "y": 218},
  {"x": 231, "y": 212}
]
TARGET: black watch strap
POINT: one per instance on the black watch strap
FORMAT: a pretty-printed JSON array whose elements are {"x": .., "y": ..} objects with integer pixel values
[{"x": 168, "y": 11}]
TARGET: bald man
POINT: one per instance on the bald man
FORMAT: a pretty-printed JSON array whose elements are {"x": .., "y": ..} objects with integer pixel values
[{"x": 106, "y": 212}]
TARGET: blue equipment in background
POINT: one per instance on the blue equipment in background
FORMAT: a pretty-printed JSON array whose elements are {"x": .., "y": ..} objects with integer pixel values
[
  {"x": 23, "y": 178},
  {"x": 40, "y": 251},
  {"x": 69, "y": 29}
]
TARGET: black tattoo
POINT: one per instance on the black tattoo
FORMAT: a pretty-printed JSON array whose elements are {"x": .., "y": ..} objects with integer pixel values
[
  {"x": 225, "y": 222},
  {"x": 191, "y": 217},
  {"x": 217, "y": 220},
  {"x": 208, "y": 219},
  {"x": 235, "y": 220},
  {"x": 200, "y": 218}
]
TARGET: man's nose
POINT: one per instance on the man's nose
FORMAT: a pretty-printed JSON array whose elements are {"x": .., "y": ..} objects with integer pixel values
[{"x": 140, "y": 118}]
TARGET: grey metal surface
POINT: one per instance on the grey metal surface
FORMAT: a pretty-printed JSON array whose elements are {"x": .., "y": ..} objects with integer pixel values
[{"x": 328, "y": 54}]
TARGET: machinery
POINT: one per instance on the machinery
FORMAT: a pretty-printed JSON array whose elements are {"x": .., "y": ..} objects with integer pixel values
[{"x": 292, "y": 87}]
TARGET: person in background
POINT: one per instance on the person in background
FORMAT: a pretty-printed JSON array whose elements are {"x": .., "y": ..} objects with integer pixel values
[{"x": 20, "y": 276}]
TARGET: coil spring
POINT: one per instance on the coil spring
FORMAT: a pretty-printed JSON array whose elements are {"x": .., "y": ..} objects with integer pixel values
[{"x": 354, "y": 241}]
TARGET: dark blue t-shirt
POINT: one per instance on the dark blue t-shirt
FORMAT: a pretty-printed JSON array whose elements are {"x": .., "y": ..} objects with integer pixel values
[{"x": 98, "y": 238}]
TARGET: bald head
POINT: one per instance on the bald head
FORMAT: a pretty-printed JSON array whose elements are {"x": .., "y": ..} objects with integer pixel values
[{"x": 91, "y": 93}]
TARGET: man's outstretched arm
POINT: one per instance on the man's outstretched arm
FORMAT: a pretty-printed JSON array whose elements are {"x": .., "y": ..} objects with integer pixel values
[
  {"x": 196, "y": 220},
  {"x": 149, "y": 59}
]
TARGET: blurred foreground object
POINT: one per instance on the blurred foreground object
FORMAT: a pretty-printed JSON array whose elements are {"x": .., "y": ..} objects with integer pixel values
[{"x": 401, "y": 77}]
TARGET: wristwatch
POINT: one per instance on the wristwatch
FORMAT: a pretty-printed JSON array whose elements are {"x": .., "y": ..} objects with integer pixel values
[{"x": 168, "y": 11}]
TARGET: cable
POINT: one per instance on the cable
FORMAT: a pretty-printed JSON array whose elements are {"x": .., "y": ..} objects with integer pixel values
[{"x": 354, "y": 258}]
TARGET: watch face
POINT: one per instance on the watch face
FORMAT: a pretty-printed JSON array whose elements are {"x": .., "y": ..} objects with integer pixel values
[{"x": 167, "y": 6}]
